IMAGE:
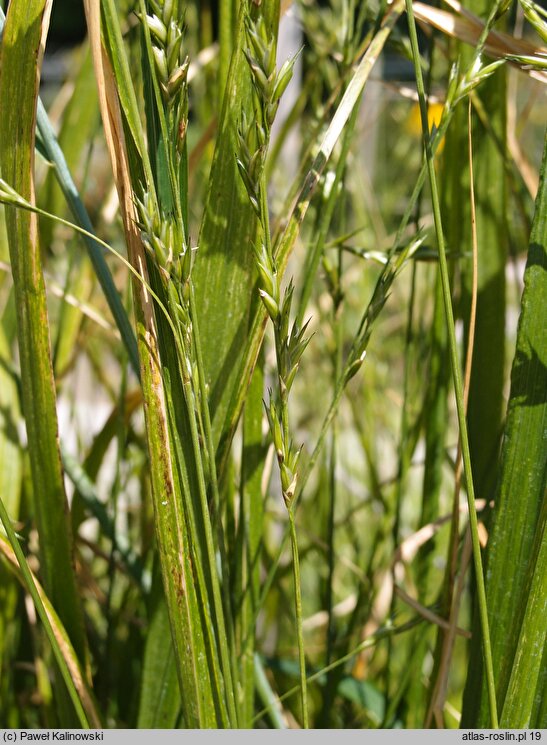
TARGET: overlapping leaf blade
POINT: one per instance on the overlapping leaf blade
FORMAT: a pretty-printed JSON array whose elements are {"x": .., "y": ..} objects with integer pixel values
[
  {"x": 22, "y": 43},
  {"x": 516, "y": 551}
]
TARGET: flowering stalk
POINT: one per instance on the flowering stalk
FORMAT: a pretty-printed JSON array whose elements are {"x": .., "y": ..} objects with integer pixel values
[
  {"x": 290, "y": 342},
  {"x": 163, "y": 225}
]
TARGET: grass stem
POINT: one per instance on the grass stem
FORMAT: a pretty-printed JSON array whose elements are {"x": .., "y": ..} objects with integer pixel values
[
  {"x": 299, "y": 631},
  {"x": 458, "y": 387}
]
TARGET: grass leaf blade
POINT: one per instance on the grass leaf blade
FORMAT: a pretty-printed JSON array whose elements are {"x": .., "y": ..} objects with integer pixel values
[
  {"x": 521, "y": 491},
  {"x": 224, "y": 271},
  {"x": 58, "y": 637},
  {"x": 22, "y": 42}
]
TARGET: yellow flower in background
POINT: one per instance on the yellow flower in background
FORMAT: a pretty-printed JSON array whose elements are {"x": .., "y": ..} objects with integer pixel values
[{"x": 414, "y": 120}]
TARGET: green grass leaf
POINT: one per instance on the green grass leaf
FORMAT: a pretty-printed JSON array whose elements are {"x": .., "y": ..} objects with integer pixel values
[
  {"x": 526, "y": 674},
  {"x": 182, "y": 519},
  {"x": 78, "y": 126},
  {"x": 50, "y": 148},
  {"x": 516, "y": 548},
  {"x": 160, "y": 702},
  {"x": 249, "y": 543},
  {"x": 224, "y": 274},
  {"x": 11, "y": 457},
  {"x": 285, "y": 241},
  {"x": 21, "y": 42},
  {"x": 69, "y": 665}
]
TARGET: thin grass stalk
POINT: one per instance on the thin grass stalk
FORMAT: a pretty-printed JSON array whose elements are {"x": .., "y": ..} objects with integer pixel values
[
  {"x": 330, "y": 686},
  {"x": 217, "y": 600},
  {"x": 337, "y": 296},
  {"x": 403, "y": 458},
  {"x": 435, "y": 423},
  {"x": 357, "y": 355},
  {"x": 271, "y": 701},
  {"x": 353, "y": 363},
  {"x": 440, "y": 685},
  {"x": 213, "y": 698},
  {"x": 327, "y": 212},
  {"x": 486, "y": 398},
  {"x": 299, "y": 631},
  {"x": 458, "y": 388},
  {"x": 284, "y": 450},
  {"x": 272, "y": 705},
  {"x": 371, "y": 641},
  {"x": 251, "y": 527}
]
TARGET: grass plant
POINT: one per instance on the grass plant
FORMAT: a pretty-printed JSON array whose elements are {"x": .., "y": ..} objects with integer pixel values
[{"x": 310, "y": 496}]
